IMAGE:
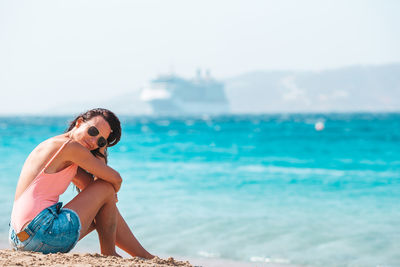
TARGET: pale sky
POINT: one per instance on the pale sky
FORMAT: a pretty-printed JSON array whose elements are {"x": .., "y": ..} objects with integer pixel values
[{"x": 54, "y": 52}]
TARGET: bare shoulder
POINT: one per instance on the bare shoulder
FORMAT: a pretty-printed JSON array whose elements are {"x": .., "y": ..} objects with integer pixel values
[{"x": 50, "y": 146}]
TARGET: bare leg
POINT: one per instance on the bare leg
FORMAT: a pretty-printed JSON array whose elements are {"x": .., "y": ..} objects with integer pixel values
[
  {"x": 125, "y": 239},
  {"x": 106, "y": 226},
  {"x": 91, "y": 228},
  {"x": 97, "y": 201}
]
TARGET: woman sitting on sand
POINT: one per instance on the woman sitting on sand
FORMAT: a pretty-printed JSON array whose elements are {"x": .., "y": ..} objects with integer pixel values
[{"x": 40, "y": 223}]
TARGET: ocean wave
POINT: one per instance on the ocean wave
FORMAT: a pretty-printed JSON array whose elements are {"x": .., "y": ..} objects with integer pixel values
[
  {"x": 232, "y": 168},
  {"x": 269, "y": 260},
  {"x": 208, "y": 254},
  {"x": 258, "y": 168}
]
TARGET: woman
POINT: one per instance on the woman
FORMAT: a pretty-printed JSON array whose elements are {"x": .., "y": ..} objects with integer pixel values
[{"x": 39, "y": 223}]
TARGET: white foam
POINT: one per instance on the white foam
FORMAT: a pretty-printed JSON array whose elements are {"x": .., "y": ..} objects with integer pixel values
[
  {"x": 208, "y": 254},
  {"x": 260, "y": 259},
  {"x": 269, "y": 260},
  {"x": 163, "y": 123}
]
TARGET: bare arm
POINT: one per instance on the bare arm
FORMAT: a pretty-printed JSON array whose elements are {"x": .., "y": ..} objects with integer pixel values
[
  {"x": 82, "y": 179},
  {"x": 84, "y": 159}
]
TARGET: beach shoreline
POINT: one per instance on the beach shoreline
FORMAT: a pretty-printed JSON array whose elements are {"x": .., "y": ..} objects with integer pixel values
[{"x": 26, "y": 258}]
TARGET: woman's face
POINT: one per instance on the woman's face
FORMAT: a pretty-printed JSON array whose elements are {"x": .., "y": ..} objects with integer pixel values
[{"x": 82, "y": 134}]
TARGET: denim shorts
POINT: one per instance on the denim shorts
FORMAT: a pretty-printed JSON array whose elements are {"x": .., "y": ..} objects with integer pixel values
[{"x": 53, "y": 230}]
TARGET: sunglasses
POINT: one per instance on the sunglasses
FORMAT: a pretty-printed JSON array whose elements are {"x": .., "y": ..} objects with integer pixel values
[{"x": 92, "y": 131}]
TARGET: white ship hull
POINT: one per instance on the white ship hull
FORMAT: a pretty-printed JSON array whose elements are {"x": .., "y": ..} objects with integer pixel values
[{"x": 172, "y": 95}]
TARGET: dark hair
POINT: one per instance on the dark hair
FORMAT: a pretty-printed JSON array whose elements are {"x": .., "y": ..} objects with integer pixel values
[
  {"x": 111, "y": 119},
  {"x": 107, "y": 115}
]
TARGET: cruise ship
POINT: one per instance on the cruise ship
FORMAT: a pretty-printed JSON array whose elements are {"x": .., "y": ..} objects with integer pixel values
[{"x": 174, "y": 95}]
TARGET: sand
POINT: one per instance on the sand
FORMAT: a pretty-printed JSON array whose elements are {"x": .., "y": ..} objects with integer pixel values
[{"x": 23, "y": 258}]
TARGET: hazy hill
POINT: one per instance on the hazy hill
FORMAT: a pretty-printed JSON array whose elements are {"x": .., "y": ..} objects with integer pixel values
[
  {"x": 357, "y": 88},
  {"x": 126, "y": 104}
]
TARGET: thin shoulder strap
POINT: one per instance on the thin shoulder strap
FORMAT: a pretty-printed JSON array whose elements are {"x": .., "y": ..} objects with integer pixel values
[{"x": 55, "y": 155}]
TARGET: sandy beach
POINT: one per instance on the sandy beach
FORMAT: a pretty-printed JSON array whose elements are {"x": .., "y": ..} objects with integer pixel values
[{"x": 23, "y": 258}]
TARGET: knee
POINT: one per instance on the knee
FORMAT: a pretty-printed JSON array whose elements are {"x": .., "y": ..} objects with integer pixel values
[{"x": 107, "y": 188}]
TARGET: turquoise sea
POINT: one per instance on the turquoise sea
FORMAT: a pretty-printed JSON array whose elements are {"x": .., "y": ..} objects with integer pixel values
[{"x": 249, "y": 188}]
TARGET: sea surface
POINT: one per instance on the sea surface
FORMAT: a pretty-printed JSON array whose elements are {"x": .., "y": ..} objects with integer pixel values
[{"x": 249, "y": 188}]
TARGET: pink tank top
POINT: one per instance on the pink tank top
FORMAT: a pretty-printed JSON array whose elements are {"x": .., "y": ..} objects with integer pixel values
[{"x": 43, "y": 192}]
